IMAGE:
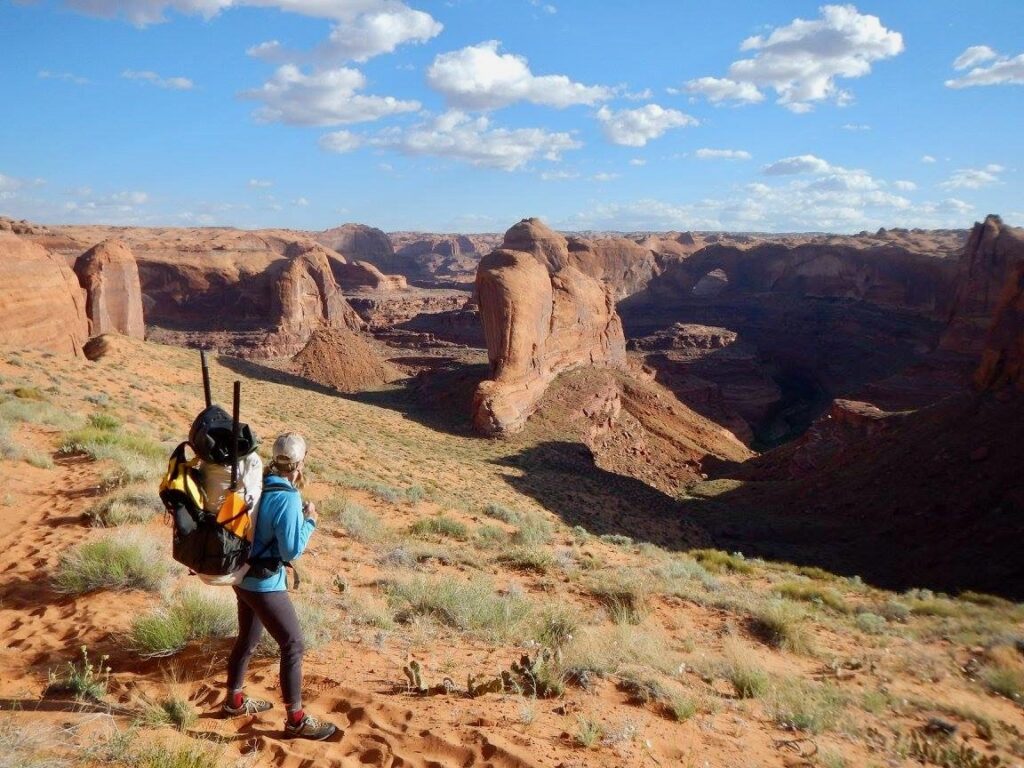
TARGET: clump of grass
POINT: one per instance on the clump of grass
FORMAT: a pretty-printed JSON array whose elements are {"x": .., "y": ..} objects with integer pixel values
[
  {"x": 506, "y": 515},
  {"x": 440, "y": 525},
  {"x": 624, "y": 594},
  {"x": 812, "y": 593},
  {"x": 871, "y": 623},
  {"x": 414, "y": 494},
  {"x": 813, "y": 572},
  {"x": 472, "y": 606},
  {"x": 717, "y": 561},
  {"x": 801, "y": 706},
  {"x": 679, "y": 573},
  {"x": 368, "y": 612},
  {"x": 491, "y": 536},
  {"x": 174, "y": 711},
  {"x": 556, "y": 627},
  {"x": 528, "y": 560},
  {"x": 101, "y": 443},
  {"x": 644, "y": 690},
  {"x": 588, "y": 732},
  {"x": 533, "y": 531},
  {"x": 936, "y": 606},
  {"x": 38, "y": 459},
  {"x": 606, "y": 650},
  {"x": 28, "y": 745},
  {"x": 894, "y": 610},
  {"x": 360, "y": 523},
  {"x": 36, "y": 412},
  {"x": 1003, "y": 674},
  {"x": 781, "y": 625},
  {"x": 125, "y": 508},
  {"x": 617, "y": 540},
  {"x": 28, "y": 393},
  {"x": 127, "y": 563},
  {"x": 747, "y": 679},
  {"x": 104, "y": 421},
  {"x": 191, "y": 614},
  {"x": 85, "y": 680}
]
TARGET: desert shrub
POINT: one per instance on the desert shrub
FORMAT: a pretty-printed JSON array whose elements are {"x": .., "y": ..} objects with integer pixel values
[
  {"x": 624, "y": 594},
  {"x": 617, "y": 540},
  {"x": 812, "y": 593},
  {"x": 124, "y": 750},
  {"x": 83, "y": 679},
  {"x": 440, "y": 525},
  {"x": 190, "y": 614},
  {"x": 506, "y": 515},
  {"x": 414, "y": 494},
  {"x": 28, "y": 393},
  {"x": 936, "y": 606},
  {"x": 125, "y": 563},
  {"x": 472, "y": 606},
  {"x": 679, "y": 573},
  {"x": 717, "y": 561},
  {"x": 360, "y": 523},
  {"x": 397, "y": 557},
  {"x": 174, "y": 711},
  {"x": 871, "y": 623},
  {"x": 801, "y": 706},
  {"x": 643, "y": 690},
  {"x": 38, "y": 459},
  {"x": 9, "y": 449},
  {"x": 555, "y": 627},
  {"x": 813, "y": 572},
  {"x": 588, "y": 732},
  {"x": 36, "y": 412},
  {"x": 125, "y": 508},
  {"x": 491, "y": 536},
  {"x": 989, "y": 601},
  {"x": 28, "y": 745},
  {"x": 368, "y": 612},
  {"x": 102, "y": 443},
  {"x": 525, "y": 559},
  {"x": 606, "y": 650},
  {"x": 781, "y": 625},
  {"x": 104, "y": 421},
  {"x": 1003, "y": 674},
  {"x": 746, "y": 677},
  {"x": 894, "y": 610},
  {"x": 533, "y": 531}
]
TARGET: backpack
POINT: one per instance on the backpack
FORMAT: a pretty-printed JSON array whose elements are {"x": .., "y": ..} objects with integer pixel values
[{"x": 201, "y": 543}]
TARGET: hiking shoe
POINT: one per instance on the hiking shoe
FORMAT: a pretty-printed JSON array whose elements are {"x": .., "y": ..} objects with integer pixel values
[
  {"x": 249, "y": 707},
  {"x": 309, "y": 728}
]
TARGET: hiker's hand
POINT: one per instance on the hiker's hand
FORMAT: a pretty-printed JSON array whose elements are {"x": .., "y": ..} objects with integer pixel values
[{"x": 309, "y": 509}]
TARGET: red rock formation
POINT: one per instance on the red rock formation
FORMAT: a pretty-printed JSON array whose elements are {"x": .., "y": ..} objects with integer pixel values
[
  {"x": 306, "y": 298},
  {"x": 110, "y": 277},
  {"x": 360, "y": 242},
  {"x": 1002, "y": 359},
  {"x": 350, "y": 276},
  {"x": 987, "y": 263},
  {"x": 42, "y": 305},
  {"x": 537, "y": 324}
]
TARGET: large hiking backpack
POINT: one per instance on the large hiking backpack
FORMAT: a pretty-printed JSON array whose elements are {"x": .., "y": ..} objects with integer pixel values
[{"x": 201, "y": 543}]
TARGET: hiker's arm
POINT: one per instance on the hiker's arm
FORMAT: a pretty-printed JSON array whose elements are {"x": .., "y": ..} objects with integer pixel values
[{"x": 293, "y": 532}]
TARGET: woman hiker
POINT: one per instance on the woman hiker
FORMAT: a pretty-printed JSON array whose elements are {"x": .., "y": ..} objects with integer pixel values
[{"x": 283, "y": 527}]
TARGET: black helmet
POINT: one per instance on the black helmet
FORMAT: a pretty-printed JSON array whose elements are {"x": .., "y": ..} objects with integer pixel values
[{"x": 210, "y": 436}]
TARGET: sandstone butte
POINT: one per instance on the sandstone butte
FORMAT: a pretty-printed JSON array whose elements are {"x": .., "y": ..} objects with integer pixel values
[
  {"x": 42, "y": 305},
  {"x": 110, "y": 277},
  {"x": 1002, "y": 356},
  {"x": 541, "y": 317}
]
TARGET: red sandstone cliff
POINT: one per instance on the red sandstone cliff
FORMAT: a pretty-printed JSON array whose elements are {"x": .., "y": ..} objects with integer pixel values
[{"x": 110, "y": 277}]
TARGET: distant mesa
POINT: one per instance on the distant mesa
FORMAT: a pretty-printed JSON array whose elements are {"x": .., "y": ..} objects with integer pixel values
[
  {"x": 540, "y": 318},
  {"x": 110, "y": 276},
  {"x": 42, "y": 306}
]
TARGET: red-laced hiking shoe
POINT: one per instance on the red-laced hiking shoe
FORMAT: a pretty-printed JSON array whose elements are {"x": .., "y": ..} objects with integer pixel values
[
  {"x": 248, "y": 707},
  {"x": 309, "y": 727}
]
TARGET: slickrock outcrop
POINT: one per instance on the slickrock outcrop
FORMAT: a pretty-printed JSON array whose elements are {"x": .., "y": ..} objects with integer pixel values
[
  {"x": 349, "y": 275},
  {"x": 440, "y": 259},
  {"x": 986, "y": 268},
  {"x": 41, "y": 303},
  {"x": 110, "y": 277},
  {"x": 537, "y": 323},
  {"x": 360, "y": 243}
]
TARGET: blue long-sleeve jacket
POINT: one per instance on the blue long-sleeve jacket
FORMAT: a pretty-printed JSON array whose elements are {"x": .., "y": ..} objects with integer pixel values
[{"x": 281, "y": 531}]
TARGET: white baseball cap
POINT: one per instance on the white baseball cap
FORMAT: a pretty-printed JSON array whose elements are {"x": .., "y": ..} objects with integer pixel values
[{"x": 289, "y": 450}]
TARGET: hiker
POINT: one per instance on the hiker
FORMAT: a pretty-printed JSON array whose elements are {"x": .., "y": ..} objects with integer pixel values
[{"x": 283, "y": 527}]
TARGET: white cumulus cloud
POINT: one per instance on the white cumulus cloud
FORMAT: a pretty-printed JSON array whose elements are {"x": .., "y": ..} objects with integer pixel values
[
  {"x": 372, "y": 34},
  {"x": 973, "y": 178},
  {"x": 340, "y": 141},
  {"x": 480, "y": 77},
  {"x": 635, "y": 127},
  {"x": 722, "y": 154},
  {"x": 798, "y": 164},
  {"x": 475, "y": 141},
  {"x": 1003, "y": 70},
  {"x": 803, "y": 60},
  {"x": 152, "y": 78},
  {"x": 323, "y": 97}
]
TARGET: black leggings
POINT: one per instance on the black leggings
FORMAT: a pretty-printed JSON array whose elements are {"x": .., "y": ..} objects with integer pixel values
[{"x": 273, "y": 610}]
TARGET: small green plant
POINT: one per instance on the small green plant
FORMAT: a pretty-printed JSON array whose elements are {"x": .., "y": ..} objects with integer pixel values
[
  {"x": 801, "y": 706},
  {"x": 717, "y": 561},
  {"x": 588, "y": 732},
  {"x": 871, "y": 623},
  {"x": 491, "y": 536},
  {"x": 506, "y": 515},
  {"x": 617, "y": 540},
  {"x": 104, "y": 421},
  {"x": 440, "y": 525},
  {"x": 1003, "y": 674},
  {"x": 190, "y": 614},
  {"x": 38, "y": 459},
  {"x": 414, "y": 494},
  {"x": 360, "y": 523},
  {"x": 747, "y": 679},
  {"x": 524, "y": 559},
  {"x": 812, "y": 593},
  {"x": 781, "y": 625},
  {"x": 85, "y": 680},
  {"x": 128, "y": 563},
  {"x": 174, "y": 711},
  {"x": 125, "y": 508},
  {"x": 533, "y": 531},
  {"x": 624, "y": 595},
  {"x": 556, "y": 627}
]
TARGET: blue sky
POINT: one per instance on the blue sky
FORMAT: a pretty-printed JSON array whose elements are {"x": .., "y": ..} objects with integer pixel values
[{"x": 468, "y": 115}]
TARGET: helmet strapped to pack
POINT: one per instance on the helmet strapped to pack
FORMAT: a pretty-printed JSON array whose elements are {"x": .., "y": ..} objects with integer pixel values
[{"x": 211, "y": 436}]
